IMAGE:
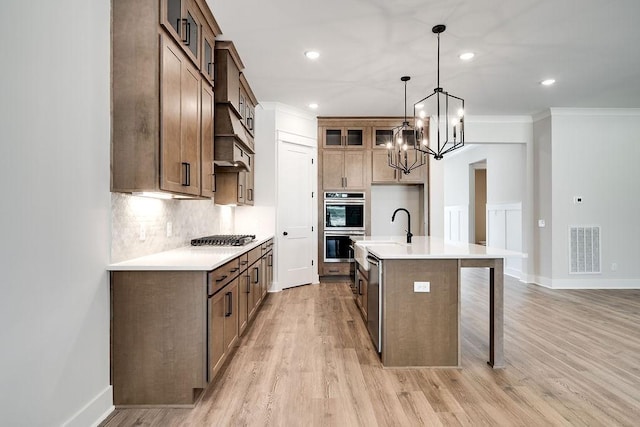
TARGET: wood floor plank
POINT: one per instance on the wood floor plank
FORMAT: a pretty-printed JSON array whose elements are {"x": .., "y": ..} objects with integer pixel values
[{"x": 307, "y": 359}]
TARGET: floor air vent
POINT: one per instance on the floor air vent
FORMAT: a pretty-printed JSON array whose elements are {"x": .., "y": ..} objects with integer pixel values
[{"x": 584, "y": 243}]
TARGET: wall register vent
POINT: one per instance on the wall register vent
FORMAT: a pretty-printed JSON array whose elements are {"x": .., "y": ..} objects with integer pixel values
[{"x": 584, "y": 250}]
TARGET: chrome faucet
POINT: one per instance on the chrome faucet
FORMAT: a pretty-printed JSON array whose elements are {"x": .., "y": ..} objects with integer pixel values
[{"x": 393, "y": 218}]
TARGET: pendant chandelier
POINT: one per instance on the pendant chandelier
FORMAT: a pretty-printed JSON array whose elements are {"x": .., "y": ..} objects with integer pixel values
[
  {"x": 447, "y": 112},
  {"x": 401, "y": 153}
]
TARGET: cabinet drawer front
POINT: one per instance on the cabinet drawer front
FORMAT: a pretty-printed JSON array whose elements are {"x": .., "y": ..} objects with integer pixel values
[
  {"x": 244, "y": 261},
  {"x": 255, "y": 254},
  {"x": 219, "y": 277}
]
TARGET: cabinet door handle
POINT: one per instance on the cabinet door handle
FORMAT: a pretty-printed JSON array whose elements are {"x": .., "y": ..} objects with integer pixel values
[
  {"x": 184, "y": 22},
  {"x": 221, "y": 279},
  {"x": 257, "y": 271},
  {"x": 188, "y": 41},
  {"x": 270, "y": 262},
  {"x": 229, "y": 297},
  {"x": 213, "y": 182},
  {"x": 186, "y": 174},
  {"x": 250, "y": 194},
  {"x": 359, "y": 286},
  {"x": 248, "y": 284}
]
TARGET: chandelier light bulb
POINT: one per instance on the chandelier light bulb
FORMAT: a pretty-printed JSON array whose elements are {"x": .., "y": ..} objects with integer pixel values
[
  {"x": 461, "y": 113},
  {"x": 425, "y": 142},
  {"x": 419, "y": 123},
  {"x": 389, "y": 145},
  {"x": 422, "y": 114},
  {"x": 404, "y": 147}
]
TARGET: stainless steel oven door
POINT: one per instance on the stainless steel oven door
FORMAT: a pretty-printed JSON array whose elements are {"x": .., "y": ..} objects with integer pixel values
[
  {"x": 345, "y": 213},
  {"x": 337, "y": 243}
]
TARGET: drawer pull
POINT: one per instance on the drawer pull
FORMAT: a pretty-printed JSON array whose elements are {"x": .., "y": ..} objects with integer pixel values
[
  {"x": 221, "y": 279},
  {"x": 233, "y": 270}
]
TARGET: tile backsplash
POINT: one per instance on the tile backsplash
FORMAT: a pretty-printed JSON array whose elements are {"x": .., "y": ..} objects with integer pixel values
[{"x": 134, "y": 218}]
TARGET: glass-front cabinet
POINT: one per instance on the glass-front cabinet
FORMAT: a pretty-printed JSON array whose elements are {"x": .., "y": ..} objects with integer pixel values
[
  {"x": 208, "y": 55},
  {"x": 182, "y": 20},
  {"x": 344, "y": 137}
]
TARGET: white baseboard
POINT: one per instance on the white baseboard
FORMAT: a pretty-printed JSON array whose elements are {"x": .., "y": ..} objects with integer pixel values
[
  {"x": 94, "y": 412},
  {"x": 583, "y": 283}
]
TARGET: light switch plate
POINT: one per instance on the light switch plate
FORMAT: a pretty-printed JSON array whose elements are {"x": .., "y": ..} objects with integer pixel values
[{"x": 421, "y": 286}]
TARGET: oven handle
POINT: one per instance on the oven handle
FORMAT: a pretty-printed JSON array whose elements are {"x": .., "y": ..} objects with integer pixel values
[
  {"x": 334, "y": 232},
  {"x": 351, "y": 203}
]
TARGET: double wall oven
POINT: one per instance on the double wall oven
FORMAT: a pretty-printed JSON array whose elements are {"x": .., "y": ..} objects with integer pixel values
[{"x": 344, "y": 215}]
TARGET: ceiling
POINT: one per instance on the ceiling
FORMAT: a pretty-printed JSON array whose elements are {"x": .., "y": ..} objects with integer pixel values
[{"x": 589, "y": 46}]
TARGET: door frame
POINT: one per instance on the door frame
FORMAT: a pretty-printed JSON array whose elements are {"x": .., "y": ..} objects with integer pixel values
[{"x": 311, "y": 144}]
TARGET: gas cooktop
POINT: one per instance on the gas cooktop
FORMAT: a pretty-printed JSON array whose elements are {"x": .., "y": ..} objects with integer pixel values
[{"x": 224, "y": 240}]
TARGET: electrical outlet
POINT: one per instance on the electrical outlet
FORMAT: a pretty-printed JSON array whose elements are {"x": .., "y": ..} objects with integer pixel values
[
  {"x": 169, "y": 229},
  {"x": 421, "y": 286},
  {"x": 577, "y": 200},
  {"x": 143, "y": 233},
  {"x": 541, "y": 223}
]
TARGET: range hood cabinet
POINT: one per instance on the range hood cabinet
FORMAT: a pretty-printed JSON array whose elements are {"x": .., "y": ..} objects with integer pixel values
[
  {"x": 230, "y": 156},
  {"x": 232, "y": 141}
]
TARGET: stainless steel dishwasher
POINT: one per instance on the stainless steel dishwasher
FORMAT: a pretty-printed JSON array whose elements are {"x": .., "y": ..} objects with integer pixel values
[{"x": 374, "y": 301}]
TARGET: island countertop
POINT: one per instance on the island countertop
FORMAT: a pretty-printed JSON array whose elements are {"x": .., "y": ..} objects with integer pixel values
[
  {"x": 428, "y": 247},
  {"x": 187, "y": 258}
]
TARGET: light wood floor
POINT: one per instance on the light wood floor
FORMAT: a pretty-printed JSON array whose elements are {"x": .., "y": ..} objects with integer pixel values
[{"x": 573, "y": 358}]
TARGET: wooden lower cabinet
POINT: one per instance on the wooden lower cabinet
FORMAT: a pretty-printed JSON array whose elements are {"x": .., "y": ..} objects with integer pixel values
[
  {"x": 158, "y": 337},
  {"x": 223, "y": 325},
  {"x": 172, "y": 331},
  {"x": 362, "y": 286}
]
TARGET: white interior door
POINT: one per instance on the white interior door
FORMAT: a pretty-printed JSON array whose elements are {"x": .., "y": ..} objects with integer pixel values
[{"x": 296, "y": 206}]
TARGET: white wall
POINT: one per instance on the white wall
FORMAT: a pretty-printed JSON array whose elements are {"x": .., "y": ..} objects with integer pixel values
[
  {"x": 595, "y": 156},
  {"x": 54, "y": 173},
  {"x": 506, "y": 194},
  {"x": 385, "y": 199},
  {"x": 540, "y": 261}
]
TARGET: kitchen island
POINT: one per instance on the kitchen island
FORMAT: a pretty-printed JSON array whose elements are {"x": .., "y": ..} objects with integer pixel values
[{"x": 414, "y": 312}]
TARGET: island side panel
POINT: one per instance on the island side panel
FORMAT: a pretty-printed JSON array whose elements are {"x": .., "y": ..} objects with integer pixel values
[
  {"x": 420, "y": 328},
  {"x": 158, "y": 337}
]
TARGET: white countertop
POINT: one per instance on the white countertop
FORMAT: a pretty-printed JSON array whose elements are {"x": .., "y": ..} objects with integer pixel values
[
  {"x": 425, "y": 247},
  {"x": 188, "y": 258}
]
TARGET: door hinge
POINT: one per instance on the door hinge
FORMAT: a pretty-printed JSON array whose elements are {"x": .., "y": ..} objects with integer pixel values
[
  {"x": 312, "y": 194},
  {"x": 311, "y": 262},
  {"x": 312, "y": 160},
  {"x": 312, "y": 228}
]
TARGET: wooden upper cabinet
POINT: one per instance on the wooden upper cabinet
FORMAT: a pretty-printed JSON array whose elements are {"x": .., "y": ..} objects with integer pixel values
[
  {"x": 344, "y": 137},
  {"x": 248, "y": 103},
  {"x": 207, "y": 183},
  {"x": 228, "y": 67},
  {"x": 182, "y": 19},
  {"x": 381, "y": 172},
  {"x": 207, "y": 66},
  {"x": 344, "y": 170},
  {"x": 160, "y": 109},
  {"x": 180, "y": 136}
]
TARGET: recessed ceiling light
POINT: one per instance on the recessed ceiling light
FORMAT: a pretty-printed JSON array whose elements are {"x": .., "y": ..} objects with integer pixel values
[
  {"x": 467, "y": 56},
  {"x": 312, "y": 54},
  {"x": 313, "y": 106},
  {"x": 548, "y": 82}
]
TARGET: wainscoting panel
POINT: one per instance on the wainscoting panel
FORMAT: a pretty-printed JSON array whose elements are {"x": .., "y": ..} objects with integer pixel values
[
  {"x": 456, "y": 223},
  {"x": 504, "y": 230}
]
